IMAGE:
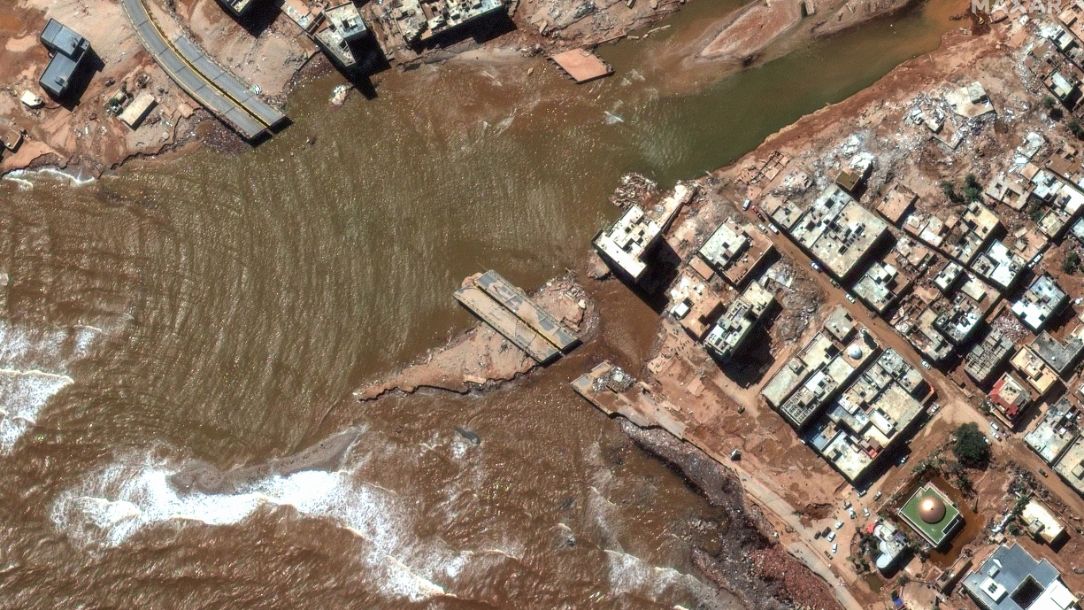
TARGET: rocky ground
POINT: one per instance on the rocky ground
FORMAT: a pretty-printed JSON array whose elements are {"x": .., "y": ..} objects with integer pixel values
[{"x": 481, "y": 357}]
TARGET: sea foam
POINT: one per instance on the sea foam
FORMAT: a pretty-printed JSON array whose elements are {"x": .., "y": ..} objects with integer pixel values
[
  {"x": 135, "y": 493},
  {"x": 33, "y": 368}
]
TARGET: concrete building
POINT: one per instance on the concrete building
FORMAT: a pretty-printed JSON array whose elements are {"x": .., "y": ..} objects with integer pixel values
[
  {"x": 880, "y": 286},
  {"x": 960, "y": 320},
  {"x": 999, "y": 266},
  {"x": 1034, "y": 371},
  {"x": 925, "y": 337},
  {"x": 819, "y": 351},
  {"x": 985, "y": 360},
  {"x": 1041, "y": 523},
  {"x": 891, "y": 544},
  {"x": 927, "y": 228},
  {"x": 815, "y": 378},
  {"x": 1070, "y": 467},
  {"x": 946, "y": 278},
  {"x": 1057, "y": 429},
  {"x": 69, "y": 52},
  {"x": 626, "y": 243},
  {"x": 897, "y": 204},
  {"x": 873, "y": 414},
  {"x": 838, "y": 232},
  {"x": 1011, "y": 579},
  {"x": 735, "y": 326},
  {"x": 343, "y": 29},
  {"x": 1009, "y": 398},
  {"x": 695, "y": 303},
  {"x": 419, "y": 21},
  {"x": 932, "y": 514},
  {"x": 1061, "y": 356},
  {"x": 1043, "y": 300},
  {"x": 239, "y": 8},
  {"x": 735, "y": 251},
  {"x": 1065, "y": 86},
  {"x": 981, "y": 220}
]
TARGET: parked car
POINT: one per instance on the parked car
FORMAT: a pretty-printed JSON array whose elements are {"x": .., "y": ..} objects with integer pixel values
[
  {"x": 745, "y": 204},
  {"x": 851, "y": 299},
  {"x": 865, "y": 512},
  {"x": 831, "y": 536},
  {"x": 926, "y": 364},
  {"x": 835, "y": 547},
  {"x": 839, "y": 525},
  {"x": 814, "y": 265}
]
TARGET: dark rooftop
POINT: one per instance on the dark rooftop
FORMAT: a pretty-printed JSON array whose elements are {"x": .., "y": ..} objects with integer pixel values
[
  {"x": 59, "y": 38},
  {"x": 68, "y": 49}
]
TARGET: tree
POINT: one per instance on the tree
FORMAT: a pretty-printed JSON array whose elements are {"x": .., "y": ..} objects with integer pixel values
[
  {"x": 972, "y": 188},
  {"x": 1052, "y": 109},
  {"x": 1076, "y": 129},
  {"x": 1071, "y": 262},
  {"x": 971, "y": 446},
  {"x": 949, "y": 189}
]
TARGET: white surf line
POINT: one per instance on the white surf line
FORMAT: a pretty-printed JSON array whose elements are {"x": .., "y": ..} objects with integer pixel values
[
  {"x": 26, "y": 176},
  {"x": 132, "y": 494}
]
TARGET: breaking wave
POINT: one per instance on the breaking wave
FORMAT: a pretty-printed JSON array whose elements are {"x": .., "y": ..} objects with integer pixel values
[
  {"x": 115, "y": 503},
  {"x": 33, "y": 369},
  {"x": 25, "y": 177}
]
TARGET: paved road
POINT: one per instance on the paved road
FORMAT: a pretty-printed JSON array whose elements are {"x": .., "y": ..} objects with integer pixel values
[{"x": 214, "y": 88}]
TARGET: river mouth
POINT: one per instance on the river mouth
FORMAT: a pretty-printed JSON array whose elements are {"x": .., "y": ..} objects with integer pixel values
[{"x": 238, "y": 300}]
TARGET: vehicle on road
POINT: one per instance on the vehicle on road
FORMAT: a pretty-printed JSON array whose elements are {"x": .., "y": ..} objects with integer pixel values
[
  {"x": 745, "y": 204},
  {"x": 926, "y": 364},
  {"x": 851, "y": 299},
  {"x": 813, "y": 265},
  {"x": 835, "y": 547}
]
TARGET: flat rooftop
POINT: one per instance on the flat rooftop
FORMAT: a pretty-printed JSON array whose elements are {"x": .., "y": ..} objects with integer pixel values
[
  {"x": 1055, "y": 431},
  {"x": 1071, "y": 465}
]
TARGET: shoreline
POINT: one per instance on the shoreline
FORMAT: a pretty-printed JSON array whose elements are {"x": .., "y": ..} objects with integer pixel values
[
  {"x": 776, "y": 519},
  {"x": 187, "y": 125}
]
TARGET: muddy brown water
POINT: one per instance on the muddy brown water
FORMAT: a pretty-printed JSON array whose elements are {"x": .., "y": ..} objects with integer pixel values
[{"x": 219, "y": 310}]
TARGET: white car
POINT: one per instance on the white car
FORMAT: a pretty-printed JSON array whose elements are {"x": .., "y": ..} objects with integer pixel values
[
  {"x": 865, "y": 512},
  {"x": 835, "y": 547},
  {"x": 926, "y": 364},
  {"x": 851, "y": 299},
  {"x": 745, "y": 204},
  {"x": 813, "y": 265},
  {"x": 839, "y": 525},
  {"x": 831, "y": 536},
  {"x": 774, "y": 229}
]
